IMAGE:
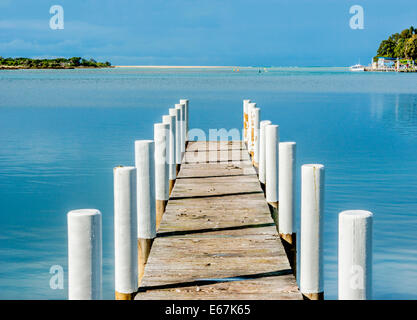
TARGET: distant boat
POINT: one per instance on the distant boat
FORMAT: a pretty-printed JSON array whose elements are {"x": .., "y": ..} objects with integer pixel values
[{"x": 357, "y": 67}]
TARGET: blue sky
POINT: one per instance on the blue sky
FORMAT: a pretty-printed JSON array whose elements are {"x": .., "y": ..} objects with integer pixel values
[{"x": 203, "y": 32}]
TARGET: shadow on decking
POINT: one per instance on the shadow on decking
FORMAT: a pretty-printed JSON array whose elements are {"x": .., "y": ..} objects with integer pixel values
[
  {"x": 219, "y": 176},
  {"x": 205, "y": 282},
  {"x": 216, "y": 161},
  {"x": 186, "y": 232},
  {"x": 216, "y": 195},
  {"x": 212, "y": 150}
]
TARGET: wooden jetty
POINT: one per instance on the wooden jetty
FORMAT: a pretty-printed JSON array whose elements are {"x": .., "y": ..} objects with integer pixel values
[
  {"x": 217, "y": 239},
  {"x": 216, "y": 220}
]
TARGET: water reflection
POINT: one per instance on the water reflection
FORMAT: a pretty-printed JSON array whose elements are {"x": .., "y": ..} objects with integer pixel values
[{"x": 397, "y": 112}]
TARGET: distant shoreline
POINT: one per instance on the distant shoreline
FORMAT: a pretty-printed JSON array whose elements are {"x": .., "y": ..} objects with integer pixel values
[
  {"x": 56, "y": 63},
  {"x": 179, "y": 67},
  {"x": 51, "y": 68},
  {"x": 224, "y": 67},
  {"x": 235, "y": 68},
  {"x": 386, "y": 69}
]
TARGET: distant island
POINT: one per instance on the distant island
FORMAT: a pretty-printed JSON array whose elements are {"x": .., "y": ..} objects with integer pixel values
[
  {"x": 58, "y": 63},
  {"x": 400, "y": 45},
  {"x": 397, "y": 53}
]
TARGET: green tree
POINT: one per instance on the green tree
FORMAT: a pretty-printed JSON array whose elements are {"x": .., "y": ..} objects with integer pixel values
[
  {"x": 405, "y": 34},
  {"x": 387, "y": 48},
  {"x": 399, "y": 48},
  {"x": 398, "y": 45},
  {"x": 75, "y": 61},
  {"x": 52, "y": 63},
  {"x": 410, "y": 48},
  {"x": 395, "y": 37}
]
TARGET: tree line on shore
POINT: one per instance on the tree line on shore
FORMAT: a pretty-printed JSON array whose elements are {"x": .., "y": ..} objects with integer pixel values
[
  {"x": 400, "y": 45},
  {"x": 58, "y": 63}
]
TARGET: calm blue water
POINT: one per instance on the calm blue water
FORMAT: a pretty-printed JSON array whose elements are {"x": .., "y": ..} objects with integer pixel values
[{"x": 62, "y": 132}]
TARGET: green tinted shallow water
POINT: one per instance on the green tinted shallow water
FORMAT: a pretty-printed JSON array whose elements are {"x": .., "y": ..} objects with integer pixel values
[{"x": 62, "y": 132}]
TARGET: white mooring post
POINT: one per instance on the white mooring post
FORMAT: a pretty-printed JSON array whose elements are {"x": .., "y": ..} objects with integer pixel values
[
  {"x": 311, "y": 247},
  {"x": 161, "y": 138},
  {"x": 145, "y": 166},
  {"x": 186, "y": 104},
  {"x": 248, "y": 131},
  {"x": 125, "y": 233},
  {"x": 262, "y": 150},
  {"x": 251, "y": 105},
  {"x": 184, "y": 126},
  {"x": 181, "y": 107},
  {"x": 176, "y": 113},
  {"x": 287, "y": 191},
  {"x": 171, "y": 157},
  {"x": 272, "y": 164},
  {"x": 355, "y": 255},
  {"x": 245, "y": 120},
  {"x": 256, "y": 116},
  {"x": 84, "y": 254}
]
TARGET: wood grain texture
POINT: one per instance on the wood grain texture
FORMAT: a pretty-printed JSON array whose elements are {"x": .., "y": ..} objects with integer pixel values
[
  {"x": 160, "y": 209},
  {"x": 217, "y": 239},
  {"x": 314, "y": 296},
  {"x": 144, "y": 249},
  {"x": 124, "y": 296}
]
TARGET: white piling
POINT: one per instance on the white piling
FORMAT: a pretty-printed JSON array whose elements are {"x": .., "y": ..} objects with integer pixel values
[
  {"x": 311, "y": 247},
  {"x": 286, "y": 188},
  {"x": 181, "y": 107},
  {"x": 271, "y": 164},
  {"x": 286, "y": 192},
  {"x": 262, "y": 148},
  {"x": 186, "y": 103},
  {"x": 256, "y": 116},
  {"x": 145, "y": 166},
  {"x": 245, "y": 120},
  {"x": 251, "y": 105},
  {"x": 125, "y": 233},
  {"x": 84, "y": 254},
  {"x": 161, "y": 138},
  {"x": 355, "y": 255},
  {"x": 177, "y": 113},
  {"x": 171, "y": 157}
]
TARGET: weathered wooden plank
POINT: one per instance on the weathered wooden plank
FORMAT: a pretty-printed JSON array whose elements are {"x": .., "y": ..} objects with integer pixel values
[{"x": 217, "y": 239}]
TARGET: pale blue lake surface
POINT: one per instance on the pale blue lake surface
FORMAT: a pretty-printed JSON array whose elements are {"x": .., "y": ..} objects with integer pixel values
[{"x": 62, "y": 132}]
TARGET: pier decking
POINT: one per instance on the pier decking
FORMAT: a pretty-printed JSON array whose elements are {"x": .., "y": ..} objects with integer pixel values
[{"x": 217, "y": 239}]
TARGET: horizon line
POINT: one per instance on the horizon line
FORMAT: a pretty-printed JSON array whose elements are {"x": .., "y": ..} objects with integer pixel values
[{"x": 214, "y": 67}]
